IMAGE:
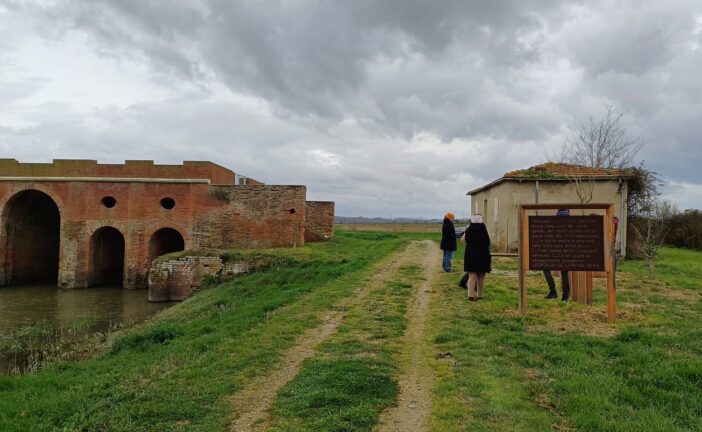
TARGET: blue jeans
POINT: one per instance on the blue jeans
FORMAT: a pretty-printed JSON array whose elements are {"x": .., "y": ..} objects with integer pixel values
[{"x": 448, "y": 256}]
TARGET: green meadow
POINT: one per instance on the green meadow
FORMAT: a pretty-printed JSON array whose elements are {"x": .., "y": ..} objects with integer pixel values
[{"x": 561, "y": 368}]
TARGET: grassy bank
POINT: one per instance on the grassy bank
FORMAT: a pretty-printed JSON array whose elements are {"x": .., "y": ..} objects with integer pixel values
[
  {"x": 34, "y": 346},
  {"x": 176, "y": 372},
  {"x": 564, "y": 368}
]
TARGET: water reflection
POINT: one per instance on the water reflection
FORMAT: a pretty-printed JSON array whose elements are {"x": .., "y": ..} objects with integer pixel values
[{"x": 24, "y": 305}]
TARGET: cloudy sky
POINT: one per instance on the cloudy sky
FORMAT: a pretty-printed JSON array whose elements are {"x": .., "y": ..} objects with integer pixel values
[{"x": 388, "y": 107}]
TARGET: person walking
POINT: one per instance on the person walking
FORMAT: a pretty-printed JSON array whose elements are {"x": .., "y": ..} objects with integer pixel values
[
  {"x": 565, "y": 283},
  {"x": 448, "y": 241},
  {"x": 477, "y": 259}
]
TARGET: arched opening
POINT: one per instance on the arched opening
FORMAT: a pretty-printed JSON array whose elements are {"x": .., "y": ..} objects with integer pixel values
[
  {"x": 32, "y": 225},
  {"x": 163, "y": 241},
  {"x": 106, "y": 267}
]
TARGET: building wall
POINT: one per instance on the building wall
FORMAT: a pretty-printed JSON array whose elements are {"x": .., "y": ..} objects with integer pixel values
[
  {"x": 205, "y": 216},
  {"x": 319, "y": 221},
  {"x": 130, "y": 169},
  {"x": 499, "y": 206}
]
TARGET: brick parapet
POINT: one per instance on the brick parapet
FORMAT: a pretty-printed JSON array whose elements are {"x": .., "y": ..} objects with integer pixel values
[
  {"x": 132, "y": 168},
  {"x": 319, "y": 221}
]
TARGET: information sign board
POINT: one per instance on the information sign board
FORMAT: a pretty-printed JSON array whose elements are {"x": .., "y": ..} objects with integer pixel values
[{"x": 569, "y": 243}]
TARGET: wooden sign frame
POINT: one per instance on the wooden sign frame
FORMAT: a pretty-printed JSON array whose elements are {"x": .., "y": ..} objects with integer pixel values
[{"x": 608, "y": 245}]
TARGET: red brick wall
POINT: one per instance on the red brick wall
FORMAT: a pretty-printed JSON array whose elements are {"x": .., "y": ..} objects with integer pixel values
[
  {"x": 253, "y": 217},
  {"x": 319, "y": 221},
  {"x": 206, "y": 216},
  {"x": 130, "y": 169},
  {"x": 178, "y": 279}
]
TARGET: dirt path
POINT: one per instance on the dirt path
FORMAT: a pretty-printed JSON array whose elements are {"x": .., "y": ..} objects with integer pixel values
[
  {"x": 414, "y": 403},
  {"x": 249, "y": 406}
]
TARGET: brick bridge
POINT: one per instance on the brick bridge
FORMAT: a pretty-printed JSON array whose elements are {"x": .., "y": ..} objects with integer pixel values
[{"x": 78, "y": 223}]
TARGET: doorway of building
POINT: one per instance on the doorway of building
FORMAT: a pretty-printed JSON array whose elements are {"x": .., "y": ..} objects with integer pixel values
[
  {"x": 31, "y": 227},
  {"x": 106, "y": 266}
]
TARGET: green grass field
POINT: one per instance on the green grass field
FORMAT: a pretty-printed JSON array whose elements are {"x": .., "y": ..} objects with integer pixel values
[{"x": 562, "y": 368}]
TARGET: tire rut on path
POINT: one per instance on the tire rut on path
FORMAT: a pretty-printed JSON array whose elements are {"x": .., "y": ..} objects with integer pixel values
[
  {"x": 413, "y": 410},
  {"x": 250, "y": 405}
]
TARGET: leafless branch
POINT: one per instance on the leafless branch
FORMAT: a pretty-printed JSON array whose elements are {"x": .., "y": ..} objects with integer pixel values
[{"x": 602, "y": 142}]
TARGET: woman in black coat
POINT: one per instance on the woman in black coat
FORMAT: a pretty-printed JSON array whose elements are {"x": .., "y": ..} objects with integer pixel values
[
  {"x": 477, "y": 260},
  {"x": 448, "y": 240}
]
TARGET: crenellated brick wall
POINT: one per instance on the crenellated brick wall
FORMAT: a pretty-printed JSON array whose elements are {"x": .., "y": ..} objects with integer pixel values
[
  {"x": 319, "y": 221},
  {"x": 86, "y": 219},
  {"x": 216, "y": 174}
]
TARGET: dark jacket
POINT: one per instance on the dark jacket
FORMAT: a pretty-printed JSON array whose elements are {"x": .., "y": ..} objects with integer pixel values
[
  {"x": 477, "y": 258},
  {"x": 448, "y": 236}
]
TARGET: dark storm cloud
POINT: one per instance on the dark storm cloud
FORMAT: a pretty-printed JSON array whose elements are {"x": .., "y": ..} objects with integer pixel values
[
  {"x": 351, "y": 87},
  {"x": 318, "y": 58}
]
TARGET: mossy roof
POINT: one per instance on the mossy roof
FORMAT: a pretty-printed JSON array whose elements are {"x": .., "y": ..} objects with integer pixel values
[{"x": 557, "y": 171}]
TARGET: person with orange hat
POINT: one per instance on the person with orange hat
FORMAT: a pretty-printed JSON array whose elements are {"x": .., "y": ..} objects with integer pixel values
[{"x": 448, "y": 241}]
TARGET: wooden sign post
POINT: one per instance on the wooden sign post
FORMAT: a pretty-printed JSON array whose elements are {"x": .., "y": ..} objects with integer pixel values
[{"x": 580, "y": 245}]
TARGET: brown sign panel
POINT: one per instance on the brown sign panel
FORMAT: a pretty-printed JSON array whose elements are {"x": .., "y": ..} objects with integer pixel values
[{"x": 571, "y": 243}]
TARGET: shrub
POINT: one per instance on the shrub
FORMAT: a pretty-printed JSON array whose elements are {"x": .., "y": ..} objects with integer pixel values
[{"x": 686, "y": 230}]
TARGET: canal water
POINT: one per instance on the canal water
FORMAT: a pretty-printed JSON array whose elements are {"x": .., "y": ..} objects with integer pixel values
[{"x": 24, "y": 306}]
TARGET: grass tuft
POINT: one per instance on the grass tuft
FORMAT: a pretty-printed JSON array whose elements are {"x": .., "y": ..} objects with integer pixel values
[{"x": 142, "y": 339}]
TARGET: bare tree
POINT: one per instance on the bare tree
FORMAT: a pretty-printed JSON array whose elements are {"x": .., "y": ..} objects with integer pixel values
[
  {"x": 584, "y": 185},
  {"x": 602, "y": 142}
]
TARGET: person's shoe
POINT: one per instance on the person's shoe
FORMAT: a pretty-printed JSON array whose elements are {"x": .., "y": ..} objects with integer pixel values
[
  {"x": 551, "y": 295},
  {"x": 565, "y": 298},
  {"x": 472, "y": 299},
  {"x": 480, "y": 298}
]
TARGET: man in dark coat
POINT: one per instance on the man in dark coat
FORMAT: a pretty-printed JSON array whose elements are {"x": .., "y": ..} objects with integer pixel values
[
  {"x": 448, "y": 241},
  {"x": 477, "y": 259},
  {"x": 552, "y": 294}
]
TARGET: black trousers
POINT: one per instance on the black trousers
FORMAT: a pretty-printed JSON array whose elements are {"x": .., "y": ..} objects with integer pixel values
[
  {"x": 464, "y": 281},
  {"x": 552, "y": 284}
]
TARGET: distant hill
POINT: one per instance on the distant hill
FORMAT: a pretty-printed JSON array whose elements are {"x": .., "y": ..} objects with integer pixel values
[{"x": 377, "y": 220}]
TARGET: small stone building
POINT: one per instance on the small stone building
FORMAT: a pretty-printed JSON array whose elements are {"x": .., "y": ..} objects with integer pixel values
[
  {"x": 550, "y": 182},
  {"x": 78, "y": 223}
]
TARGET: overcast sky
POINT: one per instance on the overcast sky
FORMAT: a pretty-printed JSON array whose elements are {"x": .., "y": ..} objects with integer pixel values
[{"x": 388, "y": 107}]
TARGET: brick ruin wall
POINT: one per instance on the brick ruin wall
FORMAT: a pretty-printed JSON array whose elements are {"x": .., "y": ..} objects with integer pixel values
[
  {"x": 177, "y": 279},
  {"x": 206, "y": 216},
  {"x": 319, "y": 221}
]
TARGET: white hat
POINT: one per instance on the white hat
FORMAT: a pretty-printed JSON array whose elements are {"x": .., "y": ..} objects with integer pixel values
[{"x": 476, "y": 219}]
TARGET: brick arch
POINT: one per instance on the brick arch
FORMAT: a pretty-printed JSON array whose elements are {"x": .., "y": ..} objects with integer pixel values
[
  {"x": 107, "y": 257},
  {"x": 31, "y": 236},
  {"x": 34, "y": 186},
  {"x": 165, "y": 239}
]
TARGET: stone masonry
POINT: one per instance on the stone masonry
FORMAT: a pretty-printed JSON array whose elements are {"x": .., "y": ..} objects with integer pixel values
[
  {"x": 78, "y": 223},
  {"x": 319, "y": 221},
  {"x": 177, "y": 279}
]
